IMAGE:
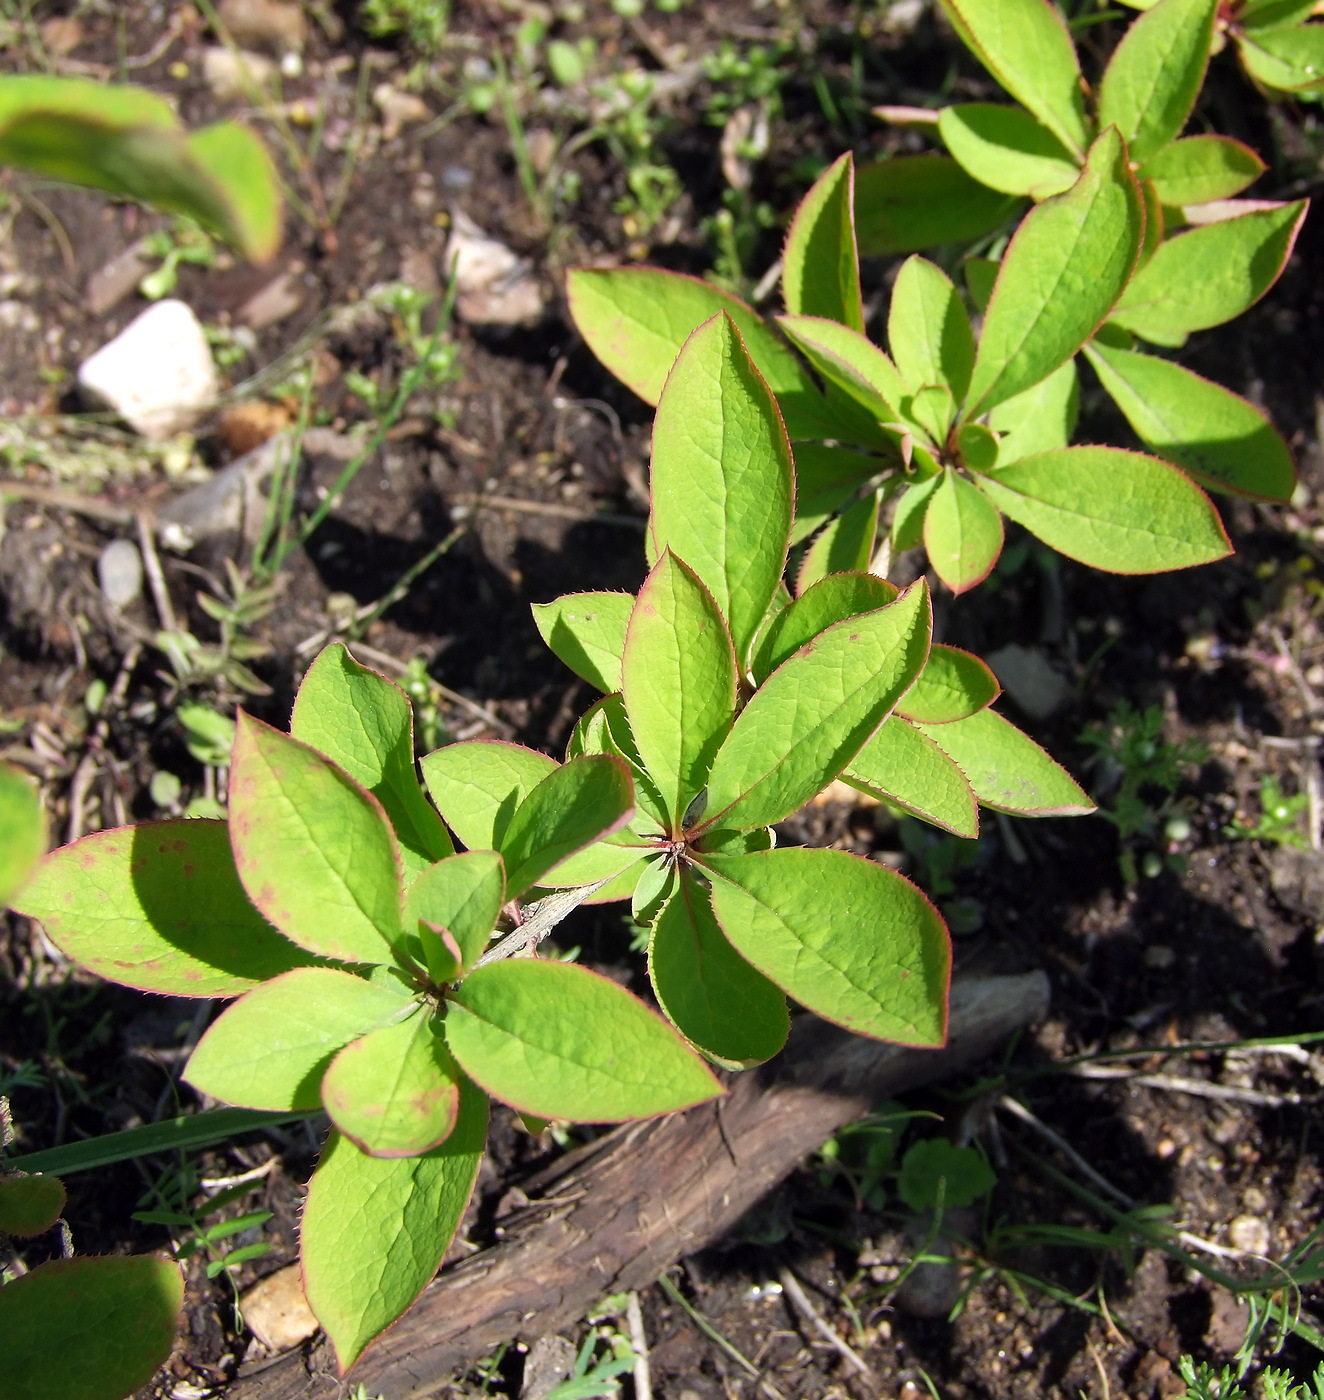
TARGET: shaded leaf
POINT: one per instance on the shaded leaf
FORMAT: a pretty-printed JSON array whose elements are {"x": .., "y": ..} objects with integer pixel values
[
  {"x": 844, "y": 545},
  {"x": 587, "y": 631},
  {"x": 559, "y": 1041},
  {"x": 30, "y": 1205},
  {"x": 851, "y": 940},
  {"x": 928, "y": 329},
  {"x": 850, "y": 361},
  {"x": 714, "y": 997},
  {"x": 1040, "y": 418},
  {"x": 374, "y": 1230},
  {"x": 1287, "y": 59},
  {"x": 907, "y": 203},
  {"x": 831, "y": 599},
  {"x": 270, "y": 1049},
  {"x": 1007, "y": 149},
  {"x": 478, "y": 785},
  {"x": 820, "y": 267},
  {"x": 158, "y": 907},
  {"x": 826, "y": 477},
  {"x": 954, "y": 684},
  {"x": 22, "y": 830},
  {"x": 901, "y": 765},
  {"x": 1121, "y": 511}
]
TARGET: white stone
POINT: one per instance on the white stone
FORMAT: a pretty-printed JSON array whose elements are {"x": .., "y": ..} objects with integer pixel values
[
  {"x": 157, "y": 374},
  {"x": 120, "y": 573}
]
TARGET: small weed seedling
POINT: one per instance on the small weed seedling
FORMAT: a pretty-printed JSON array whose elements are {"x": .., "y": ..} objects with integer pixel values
[
  {"x": 959, "y": 432},
  {"x": 1280, "y": 821}
]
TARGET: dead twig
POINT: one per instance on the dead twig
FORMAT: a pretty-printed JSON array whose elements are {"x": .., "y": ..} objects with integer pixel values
[
  {"x": 800, "y": 1300},
  {"x": 165, "y": 611},
  {"x": 634, "y": 1321},
  {"x": 66, "y": 500}
]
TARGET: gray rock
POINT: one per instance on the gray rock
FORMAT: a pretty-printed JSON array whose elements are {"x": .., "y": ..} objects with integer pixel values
[
  {"x": 549, "y": 1362},
  {"x": 1030, "y": 680},
  {"x": 120, "y": 573},
  {"x": 1297, "y": 878},
  {"x": 157, "y": 374}
]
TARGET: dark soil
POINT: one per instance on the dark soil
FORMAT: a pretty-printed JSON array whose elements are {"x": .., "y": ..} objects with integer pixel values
[{"x": 1205, "y": 950}]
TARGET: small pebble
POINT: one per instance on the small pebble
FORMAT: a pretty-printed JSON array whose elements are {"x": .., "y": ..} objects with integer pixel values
[
  {"x": 120, "y": 573},
  {"x": 1251, "y": 1233}
]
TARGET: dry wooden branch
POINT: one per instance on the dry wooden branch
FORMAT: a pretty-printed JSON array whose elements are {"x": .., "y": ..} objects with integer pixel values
[{"x": 614, "y": 1215}]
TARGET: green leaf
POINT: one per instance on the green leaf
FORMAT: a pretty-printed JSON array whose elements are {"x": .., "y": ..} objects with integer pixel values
[
  {"x": 394, "y": 1092},
  {"x": 820, "y": 267},
  {"x": 478, "y": 785},
  {"x": 1155, "y": 74},
  {"x": 937, "y": 1174},
  {"x": 830, "y": 600},
  {"x": 911, "y": 507},
  {"x": 578, "y": 803},
  {"x": 679, "y": 677},
  {"x": 364, "y": 724},
  {"x": 128, "y": 142},
  {"x": 962, "y": 533},
  {"x": 954, "y": 684},
  {"x": 374, "y": 1230},
  {"x": 1208, "y": 275},
  {"x": 605, "y": 728},
  {"x": 314, "y": 850},
  {"x": 813, "y": 714},
  {"x": 636, "y": 320},
  {"x": 559, "y": 1041},
  {"x": 89, "y": 1328},
  {"x": 1121, "y": 511},
  {"x": 1199, "y": 169},
  {"x": 1028, "y": 49},
  {"x": 722, "y": 480},
  {"x": 980, "y": 276},
  {"x": 709, "y": 992},
  {"x": 1223, "y": 441},
  {"x": 907, "y": 203},
  {"x": 1285, "y": 60},
  {"x": 826, "y": 477},
  {"x": 928, "y": 329},
  {"x": 1274, "y": 14},
  {"x": 1039, "y": 419},
  {"x": 1008, "y": 770},
  {"x": 845, "y": 544},
  {"x": 1060, "y": 277},
  {"x": 851, "y": 940},
  {"x": 158, "y": 907},
  {"x": 587, "y": 631},
  {"x": 854, "y": 364},
  {"x": 901, "y": 765},
  {"x": 463, "y": 895},
  {"x": 30, "y": 1205},
  {"x": 22, "y": 830},
  {"x": 270, "y": 1049},
  {"x": 1007, "y": 149}
]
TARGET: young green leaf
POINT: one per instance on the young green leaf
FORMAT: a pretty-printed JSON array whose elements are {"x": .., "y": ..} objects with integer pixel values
[
  {"x": 1039, "y": 419},
  {"x": 844, "y": 545},
  {"x": 478, "y": 785},
  {"x": 636, "y": 320},
  {"x": 1121, "y": 511},
  {"x": 575, "y": 805},
  {"x": 127, "y": 141},
  {"x": 820, "y": 266},
  {"x": 22, "y": 830},
  {"x": 1155, "y": 74},
  {"x": 1200, "y": 169},
  {"x": 826, "y": 478},
  {"x": 374, "y": 1229},
  {"x": 928, "y": 329},
  {"x": 30, "y": 1205},
  {"x": 605, "y": 728},
  {"x": 679, "y": 674},
  {"x": 850, "y": 361},
  {"x": 270, "y": 1049},
  {"x": 463, "y": 895},
  {"x": 709, "y": 992},
  {"x": 813, "y": 714},
  {"x": 1007, "y": 149},
  {"x": 722, "y": 480},
  {"x": 904, "y": 204},
  {"x": 1223, "y": 441},
  {"x": 1028, "y": 49},
  {"x": 394, "y": 1092},
  {"x": 364, "y": 724},
  {"x": 901, "y": 765},
  {"x": 831, "y": 599},
  {"x": 587, "y": 631},
  {"x": 911, "y": 507},
  {"x": 158, "y": 907},
  {"x": 962, "y": 532},
  {"x": 656, "y": 881},
  {"x": 953, "y": 685},
  {"x": 88, "y": 1329},
  {"x": 1060, "y": 277},
  {"x": 1287, "y": 59},
  {"x": 1008, "y": 770},
  {"x": 314, "y": 850},
  {"x": 559, "y": 1041},
  {"x": 1209, "y": 275},
  {"x": 851, "y": 940}
]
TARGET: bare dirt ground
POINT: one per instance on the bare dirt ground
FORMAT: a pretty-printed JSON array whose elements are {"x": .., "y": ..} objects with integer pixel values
[{"x": 1220, "y": 945}]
